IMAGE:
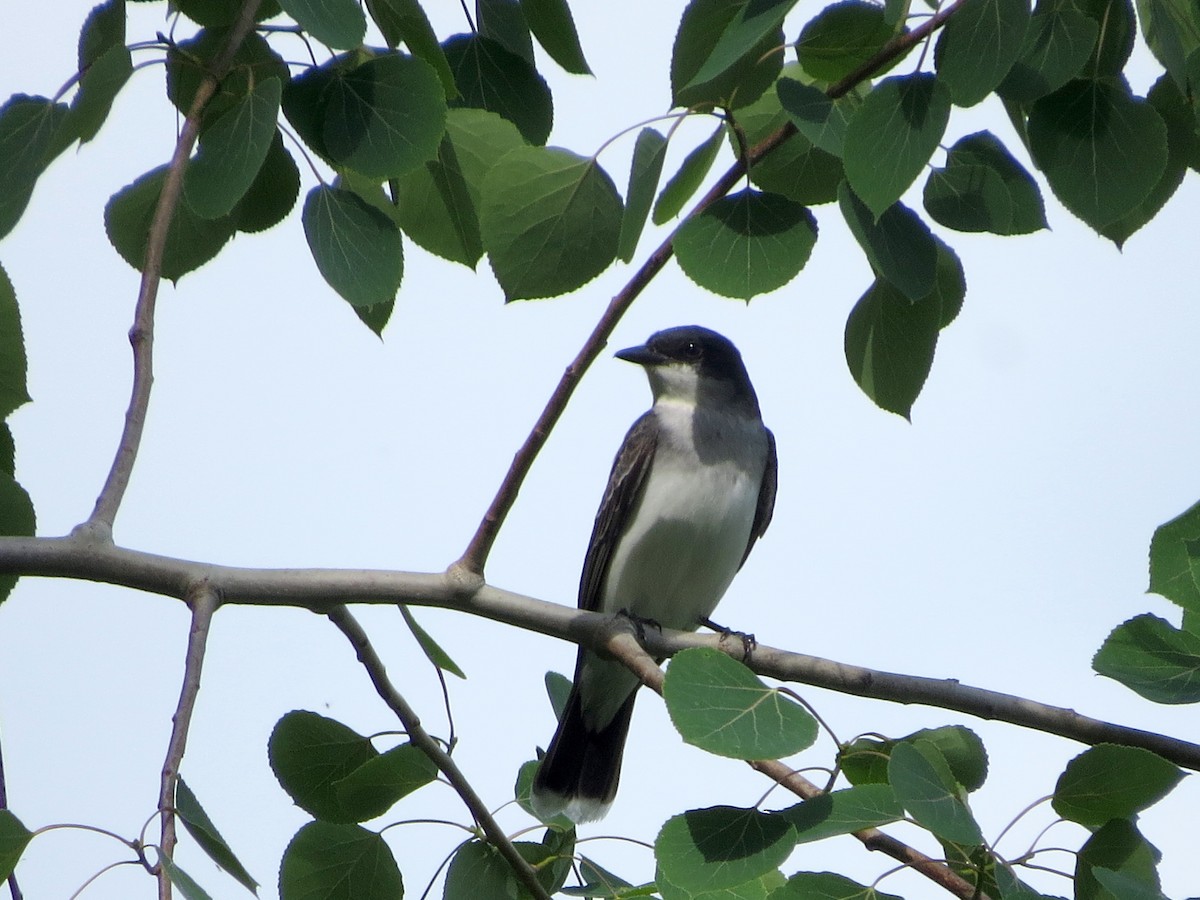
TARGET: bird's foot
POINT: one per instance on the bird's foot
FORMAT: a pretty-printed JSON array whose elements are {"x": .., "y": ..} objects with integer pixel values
[
  {"x": 640, "y": 623},
  {"x": 749, "y": 641}
]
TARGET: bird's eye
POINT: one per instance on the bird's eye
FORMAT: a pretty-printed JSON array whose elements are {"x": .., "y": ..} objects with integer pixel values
[{"x": 691, "y": 350}]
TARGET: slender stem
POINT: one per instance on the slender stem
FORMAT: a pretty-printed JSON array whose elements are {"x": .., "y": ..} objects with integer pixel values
[
  {"x": 141, "y": 334},
  {"x": 14, "y": 889},
  {"x": 420, "y": 738},
  {"x": 204, "y": 602}
]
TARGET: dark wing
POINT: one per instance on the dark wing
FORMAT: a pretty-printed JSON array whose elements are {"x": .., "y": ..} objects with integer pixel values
[
  {"x": 625, "y": 484},
  {"x": 766, "y": 496}
]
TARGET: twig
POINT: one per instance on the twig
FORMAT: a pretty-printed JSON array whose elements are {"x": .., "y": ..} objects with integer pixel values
[
  {"x": 422, "y": 740},
  {"x": 14, "y": 889},
  {"x": 141, "y": 334},
  {"x": 474, "y": 559},
  {"x": 204, "y": 602},
  {"x": 320, "y": 590},
  {"x": 625, "y": 647}
]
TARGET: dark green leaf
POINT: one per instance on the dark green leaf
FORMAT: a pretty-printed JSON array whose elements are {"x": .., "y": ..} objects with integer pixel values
[
  {"x": 1125, "y": 885},
  {"x": 549, "y": 221},
  {"x": 1154, "y": 658},
  {"x": 1172, "y": 30},
  {"x": 16, "y": 519},
  {"x": 1117, "y": 846},
  {"x": 721, "y": 846},
  {"x": 98, "y": 87},
  {"x": 325, "y": 860},
  {"x": 598, "y": 882},
  {"x": 649, "y": 154},
  {"x": 558, "y": 688},
  {"x": 491, "y": 77},
  {"x": 864, "y": 760},
  {"x": 478, "y": 870},
  {"x": 376, "y": 316},
  {"x": 1102, "y": 150},
  {"x": 191, "y": 240},
  {"x": 1028, "y": 212},
  {"x": 746, "y": 244},
  {"x": 1117, "y": 26},
  {"x": 205, "y": 833},
  {"x": 893, "y": 135},
  {"x": 8, "y": 452},
  {"x": 14, "y": 838},
  {"x": 925, "y": 787},
  {"x": 188, "y": 62},
  {"x": 221, "y": 13},
  {"x": 719, "y": 705},
  {"x": 232, "y": 151},
  {"x": 844, "y": 812},
  {"x": 374, "y": 787},
  {"x": 552, "y": 25},
  {"x": 432, "y": 649},
  {"x": 337, "y": 23},
  {"x": 13, "y": 389},
  {"x": 522, "y": 790},
  {"x": 188, "y": 887},
  {"x": 273, "y": 192},
  {"x": 979, "y": 45},
  {"x": 841, "y": 38},
  {"x": 962, "y": 750},
  {"x": 898, "y": 244},
  {"x": 356, "y": 247},
  {"x": 741, "y": 82},
  {"x": 969, "y": 198},
  {"x": 683, "y": 184},
  {"x": 103, "y": 29},
  {"x": 1175, "y": 560},
  {"x": 761, "y": 888},
  {"x": 28, "y": 126},
  {"x": 821, "y": 120},
  {"x": 753, "y": 23},
  {"x": 405, "y": 22},
  {"x": 827, "y": 886},
  {"x": 309, "y": 754},
  {"x": 437, "y": 205},
  {"x": 503, "y": 21},
  {"x": 1057, "y": 44},
  {"x": 1109, "y": 781}
]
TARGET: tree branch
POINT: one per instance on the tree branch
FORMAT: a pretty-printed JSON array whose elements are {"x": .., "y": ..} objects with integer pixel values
[
  {"x": 625, "y": 647},
  {"x": 423, "y": 741},
  {"x": 320, "y": 590},
  {"x": 204, "y": 602},
  {"x": 141, "y": 334}
]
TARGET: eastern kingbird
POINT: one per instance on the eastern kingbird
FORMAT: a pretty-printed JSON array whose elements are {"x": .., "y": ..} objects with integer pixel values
[{"x": 691, "y": 490}]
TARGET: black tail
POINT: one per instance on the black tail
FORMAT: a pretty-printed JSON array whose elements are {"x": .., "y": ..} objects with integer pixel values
[{"x": 579, "y": 774}]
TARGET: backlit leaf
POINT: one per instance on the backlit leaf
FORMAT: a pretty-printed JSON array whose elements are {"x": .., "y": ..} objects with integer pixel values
[
  {"x": 979, "y": 45},
  {"x": 355, "y": 246}
]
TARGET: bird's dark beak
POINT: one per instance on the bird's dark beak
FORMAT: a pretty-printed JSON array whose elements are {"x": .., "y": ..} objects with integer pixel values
[{"x": 642, "y": 355}]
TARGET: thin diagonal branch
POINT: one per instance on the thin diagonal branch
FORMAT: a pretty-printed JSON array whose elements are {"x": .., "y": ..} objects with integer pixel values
[
  {"x": 422, "y": 740},
  {"x": 204, "y": 602},
  {"x": 625, "y": 647},
  {"x": 141, "y": 334},
  {"x": 474, "y": 559}
]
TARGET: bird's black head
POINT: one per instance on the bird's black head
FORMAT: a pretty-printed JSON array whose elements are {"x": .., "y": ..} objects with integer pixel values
[{"x": 692, "y": 362}]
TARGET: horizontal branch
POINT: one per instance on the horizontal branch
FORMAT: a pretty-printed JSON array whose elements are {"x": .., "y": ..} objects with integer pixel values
[{"x": 83, "y": 556}]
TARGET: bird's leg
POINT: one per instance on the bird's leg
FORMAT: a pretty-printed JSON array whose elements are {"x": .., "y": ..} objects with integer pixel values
[
  {"x": 640, "y": 623},
  {"x": 749, "y": 641}
]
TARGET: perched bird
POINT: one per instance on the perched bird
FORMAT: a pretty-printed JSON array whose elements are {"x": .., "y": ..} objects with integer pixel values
[{"x": 692, "y": 488}]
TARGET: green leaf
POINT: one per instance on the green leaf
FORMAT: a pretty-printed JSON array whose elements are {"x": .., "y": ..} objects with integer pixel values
[
  {"x": 376, "y": 316},
  {"x": 719, "y": 705},
  {"x": 549, "y": 221},
  {"x": 491, "y": 77},
  {"x": 98, "y": 87},
  {"x": 1172, "y": 30},
  {"x": 1117, "y": 26},
  {"x": 205, "y": 833},
  {"x": 962, "y": 750},
  {"x": 356, "y": 247},
  {"x": 325, "y": 860},
  {"x": 478, "y": 870},
  {"x": 1153, "y": 658},
  {"x": 1125, "y": 885},
  {"x": 761, "y": 888},
  {"x": 893, "y": 135},
  {"x": 432, "y": 649},
  {"x": 649, "y": 154},
  {"x": 597, "y": 882},
  {"x": 273, "y": 192},
  {"x": 13, "y": 389},
  {"x": 683, "y": 184},
  {"x": 504, "y": 22},
  {"x": 864, "y": 760},
  {"x": 309, "y": 754},
  {"x": 827, "y": 886},
  {"x": 191, "y": 240},
  {"x": 1175, "y": 560},
  {"x": 978, "y": 47},
  {"x": 558, "y": 689},
  {"x": 1102, "y": 149},
  {"x": 221, "y": 12},
  {"x": 14, "y": 838},
  {"x": 375, "y": 786},
  {"x": 721, "y": 846},
  {"x": 842, "y": 37},
  {"x": 188, "y": 63},
  {"x": 16, "y": 519},
  {"x": 925, "y": 787},
  {"x": 188, "y": 887},
  {"x": 1028, "y": 212},
  {"x": 1057, "y": 44},
  {"x": 746, "y": 244},
  {"x": 28, "y": 126},
  {"x": 522, "y": 793},
  {"x": 741, "y": 81},
  {"x": 898, "y": 245},
  {"x": 437, "y": 205},
  {"x": 8, "y": 451},
  {"x": 552, "y": 25},
  {"x": 843, "y": 812},
  {"x": 1109, "y": 781},
  {"x": 336, "y": 23},
  {"x": 753, "y": 23},
  {"x": 103, "y": 29},
  {"x": 821, "y": 120},
  {"x": 405, "y": 22},
  {"x": 1119, "y": 847},
  {"x": 232, "y": 151},
  {"x": 969, "y": 198}
]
